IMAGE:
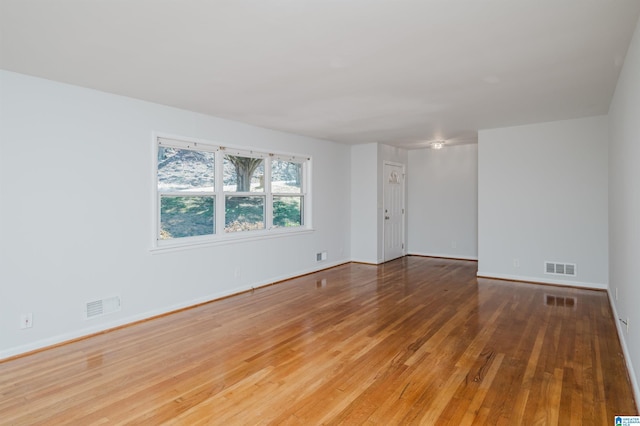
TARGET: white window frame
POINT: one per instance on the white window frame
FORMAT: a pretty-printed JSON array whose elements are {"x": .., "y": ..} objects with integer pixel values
[{"x": 220, "y": 236}]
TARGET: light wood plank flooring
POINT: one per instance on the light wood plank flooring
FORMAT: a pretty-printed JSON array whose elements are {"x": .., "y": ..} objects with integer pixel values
[{"x": 414, "y": 341}]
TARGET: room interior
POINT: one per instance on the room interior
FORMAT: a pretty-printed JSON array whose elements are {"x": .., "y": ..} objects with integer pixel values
[{"x": 536, "y": 105}]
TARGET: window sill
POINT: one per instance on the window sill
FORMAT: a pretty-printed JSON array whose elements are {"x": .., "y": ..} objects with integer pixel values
[{"x": 220, "y": 240}]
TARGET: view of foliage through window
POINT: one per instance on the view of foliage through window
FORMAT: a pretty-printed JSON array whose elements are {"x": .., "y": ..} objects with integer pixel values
[
  {"x": 188, "y": 194},
  {"x": 243, "y": 174},
  {"x": 287, "y": 211},
  {"x": 286, "y": 179},
  {"x": 185, "y": 170},
  {"x": 186, "y": 216},
  {"x": 186, "y": 184},
  {"x": 243, "y": 213}
]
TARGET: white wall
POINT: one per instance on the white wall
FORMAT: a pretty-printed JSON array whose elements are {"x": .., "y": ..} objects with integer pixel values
[
  {"x": 364, "y": 201},
  {"x": 624, "y": 206},
  {"x": 542, "y": 194},
  {"x": 443, "y": 202},
  {"x": 76, "y": 189}
]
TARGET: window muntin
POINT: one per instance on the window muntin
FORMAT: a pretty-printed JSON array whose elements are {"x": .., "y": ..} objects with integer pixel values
[{"x": 209, "y": 193}]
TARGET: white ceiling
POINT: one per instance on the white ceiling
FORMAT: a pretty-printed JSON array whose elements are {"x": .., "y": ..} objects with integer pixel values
[{"x": 398, "y": 72}]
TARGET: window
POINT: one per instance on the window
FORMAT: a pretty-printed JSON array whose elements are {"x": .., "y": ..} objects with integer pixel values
[
  {"x": 243, "y": 181},
  {"x": 186, "y": 182},
  {"x": 286, "y": 186},
  {"x": 212, "y": 193}
]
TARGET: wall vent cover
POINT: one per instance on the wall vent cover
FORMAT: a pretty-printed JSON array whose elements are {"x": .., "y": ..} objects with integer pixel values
[
  {"x": 101, "y": 307},
  {"x": 556, "y": 268}
]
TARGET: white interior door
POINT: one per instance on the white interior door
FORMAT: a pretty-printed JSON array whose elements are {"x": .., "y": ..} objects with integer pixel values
[{"x": 393, "y": 210}]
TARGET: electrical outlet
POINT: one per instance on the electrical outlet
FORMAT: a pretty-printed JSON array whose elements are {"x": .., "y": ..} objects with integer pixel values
[
  {"x": 454, "y": 244},
  {"x": 516, "y": 263},
  {"x": 26, "y": 320},
  {"x": 627, "y": 325},
  {"x": 616, "y": 294}
]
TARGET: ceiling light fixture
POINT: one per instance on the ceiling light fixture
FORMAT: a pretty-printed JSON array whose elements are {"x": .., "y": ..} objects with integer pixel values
[{"x": 437, "y": 144}]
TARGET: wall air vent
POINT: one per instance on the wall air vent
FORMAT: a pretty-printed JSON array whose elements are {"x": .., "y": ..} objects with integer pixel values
[
  {"x": 556, "y": 268},
  {"x": 97, "y": 308}
]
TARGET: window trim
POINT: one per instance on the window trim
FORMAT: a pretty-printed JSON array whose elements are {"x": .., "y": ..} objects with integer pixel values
[{"x": 220, "y": 237}]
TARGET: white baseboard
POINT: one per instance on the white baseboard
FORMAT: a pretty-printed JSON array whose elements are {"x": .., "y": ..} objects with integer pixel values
[
  {"x": 625, "y": 350},
  {"x": 87, "y": 331},
  {"x": 443, "y": 255},
  {"x": 597, "y": 286},
  {"x": 367, "y": 261}
]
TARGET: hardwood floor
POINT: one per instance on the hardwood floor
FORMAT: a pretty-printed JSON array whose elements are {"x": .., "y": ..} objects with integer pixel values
[{"x": 414, "y": 341}]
